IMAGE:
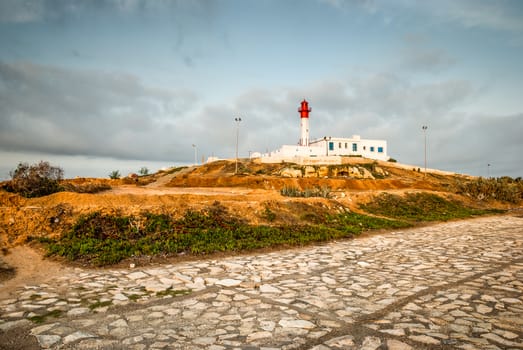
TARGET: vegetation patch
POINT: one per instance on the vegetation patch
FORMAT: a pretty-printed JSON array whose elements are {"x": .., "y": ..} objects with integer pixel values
[
  {"x": 6, "y": 272},
  {"x": 134, "y": 297},
  {"x": 100, "y": 304},
  {"x": 100, "y": 239},
  {"x": 35, "y": 180},
  {"x": 289, "y": 191},
  {"x": 421, "y": 207},
  {"x": 172, "y": 292},
  {"x": 355, "y": 223},
  {"x": 42, "y": 318},
  {"x": 115, "y": 175},
  {"x": 173, "y": 170},
  {"x": 104, "y": 239},
  {"x": 85, "y": 188},
  {"x": 268, "y": 214},
  {"x": 503, "y": 189}
]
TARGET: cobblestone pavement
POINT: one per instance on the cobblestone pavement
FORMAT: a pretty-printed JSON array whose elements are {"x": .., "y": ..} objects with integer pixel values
[{"x": 456, "y": 285}]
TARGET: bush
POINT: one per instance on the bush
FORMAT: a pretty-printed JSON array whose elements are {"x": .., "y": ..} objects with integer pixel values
[
  {"x": 104, "y": 239},
  {"x": 35, "y": 180},
  {"x": 85, "y": 188},
  {"x": 268, "y": 214},
  {"x": 504, "y": 189},
  {"x": 115, "y": 175},
  {"x": 323, "y": 192},
  {"x": 143, "y": 171},
  {"x": 420, "y": 207}
]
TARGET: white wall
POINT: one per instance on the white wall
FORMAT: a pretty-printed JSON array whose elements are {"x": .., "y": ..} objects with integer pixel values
[
  {"x": 354, "y": 146},
  {"x": 321, "y": 148}
]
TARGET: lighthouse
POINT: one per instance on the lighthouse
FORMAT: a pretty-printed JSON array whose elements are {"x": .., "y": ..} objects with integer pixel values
[
  {"x": 324, "y": 150},
  {"x": 304, "y": 123}
]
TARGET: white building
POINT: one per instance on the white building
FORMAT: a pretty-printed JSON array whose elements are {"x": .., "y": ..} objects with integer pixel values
[{"x": 326, "y": 150}]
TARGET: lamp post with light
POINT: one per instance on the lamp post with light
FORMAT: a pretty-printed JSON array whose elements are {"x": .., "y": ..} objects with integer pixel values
[
  {"x": 237, "y": 120},
  {"x": 195, "y": 154},
  {"x": 424, "y": 128}
]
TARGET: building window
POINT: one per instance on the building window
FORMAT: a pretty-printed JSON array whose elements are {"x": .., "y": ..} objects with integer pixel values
[
  {"x": 339, "y": 145},
  {"x": 331, "y": 146},
  {"x": 364, "y": 148},
  {"x": 372, "y": 148},
  {"x": 380, "y": 149},
  {"x": 354, "y": 147},
  {"x": 346, "y": 145}
]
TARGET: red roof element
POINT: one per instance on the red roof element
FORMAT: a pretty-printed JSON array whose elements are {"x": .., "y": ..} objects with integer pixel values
[{"x": 304, "y": 109}]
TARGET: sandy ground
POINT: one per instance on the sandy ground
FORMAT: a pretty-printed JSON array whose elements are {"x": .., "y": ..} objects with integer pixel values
[{"x": 30, "y": 268}]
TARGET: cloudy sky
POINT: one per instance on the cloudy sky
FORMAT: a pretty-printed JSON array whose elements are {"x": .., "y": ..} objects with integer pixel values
[{"x": 96, "y": 86}]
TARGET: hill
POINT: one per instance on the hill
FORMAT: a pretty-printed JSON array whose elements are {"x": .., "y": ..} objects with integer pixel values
[{"x": 250, "y": 194}]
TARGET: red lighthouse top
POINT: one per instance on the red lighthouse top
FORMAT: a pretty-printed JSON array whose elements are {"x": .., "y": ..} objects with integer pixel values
[{"x": 304, "y": 109}]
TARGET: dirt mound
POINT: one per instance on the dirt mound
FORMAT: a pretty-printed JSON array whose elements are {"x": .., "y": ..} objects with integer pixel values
[{"x": 374, "y": 176}]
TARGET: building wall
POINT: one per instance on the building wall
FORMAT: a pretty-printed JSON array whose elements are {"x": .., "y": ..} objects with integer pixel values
[
  {"x": 320, "y": 150},
  {"x": 354, "y": 146}
]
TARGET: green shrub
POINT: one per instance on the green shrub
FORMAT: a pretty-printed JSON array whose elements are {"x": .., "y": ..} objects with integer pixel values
[
  {"x": 268, "y": 214},
  {"x": 356, "y": 223},
  {"x": 420, "y": 207},
  {"x": 289, "y": 191},
  {"x": 35, "y": 180},
  {"x": 503, "y": 189},
  {"x": 103, "y": 239},
  {"x": 115, "y": 175}
]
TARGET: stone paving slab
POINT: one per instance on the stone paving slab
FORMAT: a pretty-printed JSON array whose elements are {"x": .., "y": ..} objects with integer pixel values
[{"x": 457, "y": 285}]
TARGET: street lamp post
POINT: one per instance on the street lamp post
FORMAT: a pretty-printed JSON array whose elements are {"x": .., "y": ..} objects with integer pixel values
[
  {"x": 195, "y": 154},
  {"x": 488, "y": 171},
  {"x": 237, "y": 120},
  {"x": 424, "y": 128}
]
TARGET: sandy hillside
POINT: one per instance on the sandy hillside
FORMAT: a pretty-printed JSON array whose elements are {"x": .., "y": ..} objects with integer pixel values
[{"x": 246, "y": 194}]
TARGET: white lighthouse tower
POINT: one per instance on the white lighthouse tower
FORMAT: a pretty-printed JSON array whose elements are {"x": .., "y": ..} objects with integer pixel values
[{"x": 304, "y": 124}]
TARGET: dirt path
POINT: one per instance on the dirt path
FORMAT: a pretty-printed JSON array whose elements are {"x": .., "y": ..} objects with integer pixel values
[
  {"x": 444, "y": 286},
  {"x": 30, "y": 268},
  {"x": 204, "y": 191}
]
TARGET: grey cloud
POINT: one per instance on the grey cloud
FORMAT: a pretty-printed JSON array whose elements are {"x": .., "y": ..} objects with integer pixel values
[
  {"x": 385, "y": 106},
  {"x": 377, "y": 106},
  {"x": 504, "y": 16},
  {"x": 370, "y": 6},
  {"x": 39, "y": 10},
  {"x": 390, "y": 96},
  {"x": 60, "y": 111},
  {"x": 494, "y": 15},
  {"x": 419, "y": 56},
  {"x": 469, "y": 142}
]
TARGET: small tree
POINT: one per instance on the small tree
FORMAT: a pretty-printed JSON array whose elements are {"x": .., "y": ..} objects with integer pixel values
[
  {"x": 35, "y": 180},
  {"x": 144, "y": 171},
  {"x": 115, "y": 174}
]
